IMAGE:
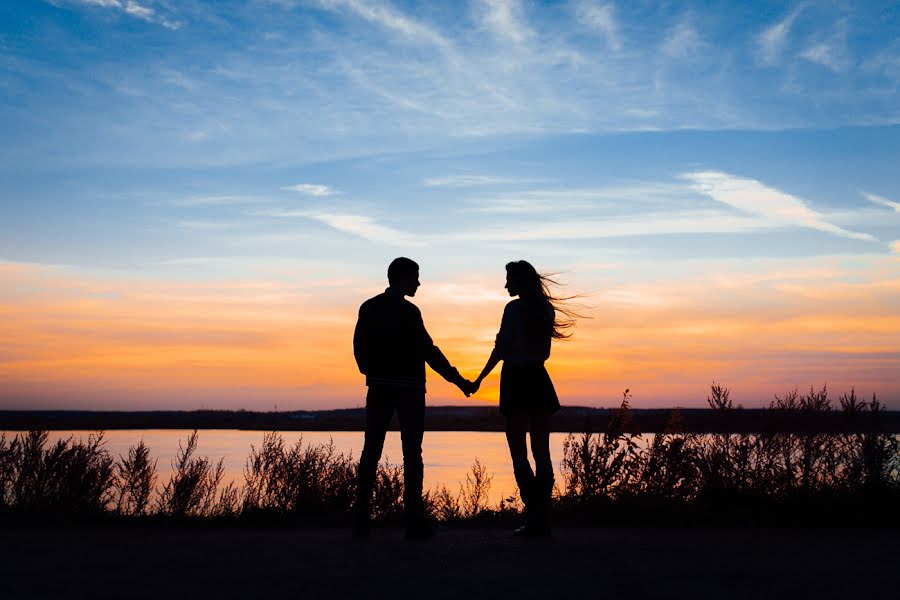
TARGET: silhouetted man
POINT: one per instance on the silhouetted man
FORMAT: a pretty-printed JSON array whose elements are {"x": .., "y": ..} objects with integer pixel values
[{"x": 391, "y": 347}]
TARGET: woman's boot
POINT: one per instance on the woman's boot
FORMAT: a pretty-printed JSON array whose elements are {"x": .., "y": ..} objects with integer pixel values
[
  {"x": 542, "y": 501},
  {"x": 525, "y": 481}
]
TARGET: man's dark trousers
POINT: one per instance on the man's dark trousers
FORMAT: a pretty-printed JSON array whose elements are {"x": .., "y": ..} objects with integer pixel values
[{"x": 381, "y": 402}]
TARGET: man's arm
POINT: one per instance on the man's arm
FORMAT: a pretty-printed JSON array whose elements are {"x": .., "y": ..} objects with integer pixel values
[
  {"x": 361, "y": 340},
  {"x": 437, "y": 361}
]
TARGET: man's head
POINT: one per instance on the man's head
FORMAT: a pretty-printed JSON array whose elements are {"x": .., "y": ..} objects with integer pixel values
[{"x": 403, "y": 276}]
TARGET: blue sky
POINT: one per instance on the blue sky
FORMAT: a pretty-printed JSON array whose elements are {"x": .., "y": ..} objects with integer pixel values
[{"x": 623, "y": 144}]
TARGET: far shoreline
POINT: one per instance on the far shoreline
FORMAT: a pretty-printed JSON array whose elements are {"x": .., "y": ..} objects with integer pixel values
[{"x": 570, "y": 419}]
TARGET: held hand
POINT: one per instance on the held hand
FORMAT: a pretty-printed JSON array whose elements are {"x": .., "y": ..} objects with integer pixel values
[
  {"x": 474, "y": 386},
  {"x": 465, "y": 386}
]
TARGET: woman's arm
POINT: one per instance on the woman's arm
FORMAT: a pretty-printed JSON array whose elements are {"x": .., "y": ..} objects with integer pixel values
[
  {"x": 492, "y": 361},
  {"x": 500, "y": 346}
]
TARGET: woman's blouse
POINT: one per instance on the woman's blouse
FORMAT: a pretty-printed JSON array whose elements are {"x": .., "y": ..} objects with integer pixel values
[{"x": 520, "y": 342}]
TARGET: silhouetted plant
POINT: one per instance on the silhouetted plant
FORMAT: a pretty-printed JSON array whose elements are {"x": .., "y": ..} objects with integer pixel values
[
  {"x": 443, "y": 505},
  {"x": 724, "y": 459},
  {"x": 7, "y": 471},
  {"x": 793, "y": 458},
  {"x": 718, "y": 398},
  {"x": 228, "y": 503},
  {"x": 388, "y": 498},
  {"x": 474, "y": 493},
  {"x": 300, "y": 479},
  {"x": 263, "y": 475},
  {"x": 136, "y": 480},
  {"x": 671, "y": 463},
  {"x": 71, "y": 476},
  {"x": 605, "y": 465},
  {"x": 191, "y": 489},
  {"x": 872, "y": 456}
]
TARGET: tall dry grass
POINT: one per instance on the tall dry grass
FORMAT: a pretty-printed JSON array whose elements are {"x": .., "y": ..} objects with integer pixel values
[{"x": 790, "y": 462}]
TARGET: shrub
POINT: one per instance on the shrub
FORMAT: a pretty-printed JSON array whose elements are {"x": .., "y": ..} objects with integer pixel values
[
  {"x": 191, "y": 489},
  {"x": 297, "y": 480},
  {"x": 606, "y": 465},
  {"x": 70, "y": 476},
  {"x": 136, "y": 480}
]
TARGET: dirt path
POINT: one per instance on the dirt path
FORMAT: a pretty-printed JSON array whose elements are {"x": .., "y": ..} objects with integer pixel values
[{"x": 484, "y": 563}]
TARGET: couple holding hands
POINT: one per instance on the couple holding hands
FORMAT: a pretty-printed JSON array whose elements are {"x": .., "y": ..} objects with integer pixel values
[{"x": 391, "y": 346}]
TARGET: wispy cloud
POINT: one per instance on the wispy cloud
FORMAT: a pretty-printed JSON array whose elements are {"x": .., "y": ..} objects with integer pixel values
[
  {"x": 368, "y": 228},
  {"x": 136, "y": 10},
  {"x": 831, "y": 52},
  {"x": 312, "y": 189},
  {"x": 587, "y": 228},
  {"x": 682, "y": 41},
  {"x": 476, "y": 180},
  {"x": 525, "y": 205},
  {"x": 895, "y": 246},
  {"x": 615, "y": 199},
  {"x": 194, "y": 225},
  {"x": 504, "y": 19},
  {"x": 223, "y": 200},
  {"x": 777, "y": 208},
  {"x": 601, "y": 17},
  {"x": 358, "y": 225},
  {"x": 773, "y": 40},
  {"x": 355, "y": 77},
  {"x": 386, "y": 16},
  {"x": 875, "y": 199},
  {"x": 827, "y": 55}
]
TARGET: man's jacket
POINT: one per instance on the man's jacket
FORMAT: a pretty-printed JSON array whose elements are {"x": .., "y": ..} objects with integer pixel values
[{"x": 391, "y": 344}]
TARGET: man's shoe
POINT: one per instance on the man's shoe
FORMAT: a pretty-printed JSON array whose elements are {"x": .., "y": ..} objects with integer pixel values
[{"x": 420, "y": 531}]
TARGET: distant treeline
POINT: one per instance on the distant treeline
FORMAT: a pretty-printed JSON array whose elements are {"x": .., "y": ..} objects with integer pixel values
[{"x": 570, "y": 419}]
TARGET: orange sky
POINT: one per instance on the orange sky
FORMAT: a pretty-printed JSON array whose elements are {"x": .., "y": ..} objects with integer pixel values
[{"x": 83, "y": 340}]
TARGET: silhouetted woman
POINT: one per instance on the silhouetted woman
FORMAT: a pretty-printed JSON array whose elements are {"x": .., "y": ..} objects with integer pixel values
[{"x": 527, "y": 396}]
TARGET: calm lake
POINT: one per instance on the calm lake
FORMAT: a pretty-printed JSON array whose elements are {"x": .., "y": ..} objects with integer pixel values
[{"x": 448, "y": 455}]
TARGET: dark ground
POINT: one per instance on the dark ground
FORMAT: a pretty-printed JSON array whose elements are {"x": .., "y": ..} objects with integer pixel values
[{"x": 725, "y": 564}]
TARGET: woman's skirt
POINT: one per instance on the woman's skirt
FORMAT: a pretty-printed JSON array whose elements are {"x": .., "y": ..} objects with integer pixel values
[{"x": 526, "y": 388}]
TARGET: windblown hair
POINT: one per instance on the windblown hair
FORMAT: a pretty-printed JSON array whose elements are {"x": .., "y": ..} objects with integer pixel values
[{"x": 534, "y": 290}]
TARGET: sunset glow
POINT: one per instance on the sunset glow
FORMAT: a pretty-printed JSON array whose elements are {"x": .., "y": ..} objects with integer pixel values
[
  {"x": 102, "y": 342},
  {"x": 193, "y": 220}
]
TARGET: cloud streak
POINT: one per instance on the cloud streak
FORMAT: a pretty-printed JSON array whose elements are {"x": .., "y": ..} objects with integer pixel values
[
  {"x": 367, "y": 228},
  {"x": 136, "y": 10},
  {"x": 773, "y": 206},
  {"x": 456, "y": 181},
  {"x": 384, "y": 15},
  {"x": 773, "y": 40},
  {"x": 504, "y": 19},
  {"x": 350, "y": 77},
  {"x": 881, "y": 201},
  {"x": 601, "y": 17},
  {"x": 311, "y": 189},
  {"x": 697, "y": 222}
]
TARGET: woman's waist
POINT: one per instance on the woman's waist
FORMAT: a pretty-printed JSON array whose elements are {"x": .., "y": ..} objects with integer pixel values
[{"x": 523, "y": 362}]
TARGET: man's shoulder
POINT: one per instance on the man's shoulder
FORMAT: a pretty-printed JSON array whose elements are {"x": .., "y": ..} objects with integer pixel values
[
  {"x": 374, "y": 300},
  {"x": 387, "y": 301}
]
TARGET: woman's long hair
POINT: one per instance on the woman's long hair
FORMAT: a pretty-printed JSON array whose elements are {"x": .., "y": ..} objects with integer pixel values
[{"x": 534, "y": 290}]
